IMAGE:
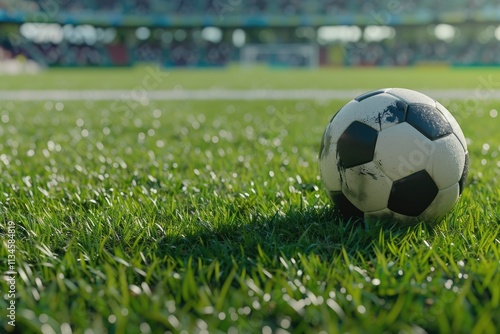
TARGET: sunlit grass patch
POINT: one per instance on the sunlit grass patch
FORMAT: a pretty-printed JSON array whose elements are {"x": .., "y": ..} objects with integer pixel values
[{"x": 210, "y": 216}]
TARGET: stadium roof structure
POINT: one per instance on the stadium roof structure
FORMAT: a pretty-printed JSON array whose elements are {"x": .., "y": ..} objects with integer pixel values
[{"x": 236, "y": 19}]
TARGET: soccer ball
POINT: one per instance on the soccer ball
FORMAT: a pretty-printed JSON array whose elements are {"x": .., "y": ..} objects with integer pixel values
[{"x": 394, "y": 154}]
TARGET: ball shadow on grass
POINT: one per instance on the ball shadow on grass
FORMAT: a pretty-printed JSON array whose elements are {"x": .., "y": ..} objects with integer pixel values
[{"x": 318, "y": 230}]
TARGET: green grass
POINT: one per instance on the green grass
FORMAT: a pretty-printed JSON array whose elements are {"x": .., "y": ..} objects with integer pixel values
[
  {"x": 210, "y": 216},
  {"x": 259, "y": 78}
]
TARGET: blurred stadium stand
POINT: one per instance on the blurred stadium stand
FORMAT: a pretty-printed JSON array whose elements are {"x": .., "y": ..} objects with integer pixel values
[{"x": 214, "y": 33}]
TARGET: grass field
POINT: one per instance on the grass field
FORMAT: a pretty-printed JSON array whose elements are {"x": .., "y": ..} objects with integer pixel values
[
  {"x": 259, "y": 78},
  {"x": 210, "y": 217}
]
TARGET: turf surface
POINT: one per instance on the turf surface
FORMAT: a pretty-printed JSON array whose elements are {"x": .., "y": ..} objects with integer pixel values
[
  {"x": 210, "y": 217},
  {"x": 483, "y": 79}
]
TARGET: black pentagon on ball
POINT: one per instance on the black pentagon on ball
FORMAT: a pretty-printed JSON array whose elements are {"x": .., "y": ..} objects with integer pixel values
[
  {"x": 346, "y": 208},
  {"x": 369, "y": 94},
  {"x": 411, "y": 195},
  {"x": 463, "y": 179},
  {"x": 356, "y": 145},
  {"x": 428, "y": 120}
]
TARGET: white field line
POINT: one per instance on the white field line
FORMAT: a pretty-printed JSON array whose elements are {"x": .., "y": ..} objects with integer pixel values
[{"x": 222, "y": 94}]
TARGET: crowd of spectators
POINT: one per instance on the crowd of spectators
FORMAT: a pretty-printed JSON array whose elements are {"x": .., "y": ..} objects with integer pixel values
[
  {"x": 403, "y": 53},
  {"x": 189, "y": 54},
  {"x": 176, "y": 54}
]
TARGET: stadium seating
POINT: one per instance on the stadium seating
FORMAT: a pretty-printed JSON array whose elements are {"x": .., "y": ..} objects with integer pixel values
[{"x": 280, "y": 18}]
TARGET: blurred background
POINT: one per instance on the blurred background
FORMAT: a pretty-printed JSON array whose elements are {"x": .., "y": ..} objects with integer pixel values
[{"x": 36, "y": 34}]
